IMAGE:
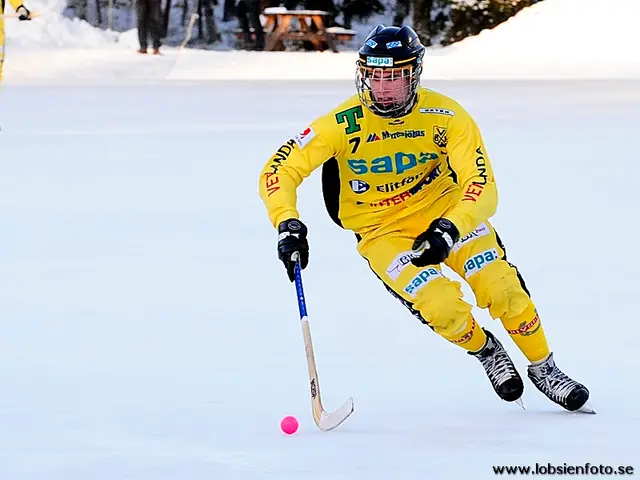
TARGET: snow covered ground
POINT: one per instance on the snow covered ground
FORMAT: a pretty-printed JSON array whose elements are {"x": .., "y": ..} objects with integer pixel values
[{"x": 148, "y": 329}]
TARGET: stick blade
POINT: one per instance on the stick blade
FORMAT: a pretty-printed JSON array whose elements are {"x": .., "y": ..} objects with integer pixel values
[{"x": 329, "y": 421}]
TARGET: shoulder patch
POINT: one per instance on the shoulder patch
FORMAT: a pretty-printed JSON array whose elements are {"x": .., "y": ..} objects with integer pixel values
[{"x": 304, "y": 137}]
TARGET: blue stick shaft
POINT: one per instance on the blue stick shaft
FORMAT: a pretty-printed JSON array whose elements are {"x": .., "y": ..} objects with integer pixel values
[{"x": 302, "y": 304}]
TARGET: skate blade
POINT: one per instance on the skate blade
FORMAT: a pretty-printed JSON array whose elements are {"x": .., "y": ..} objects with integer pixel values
[
  {"x": 521, "y": 403},
  {"x": 587, "y": 408}
]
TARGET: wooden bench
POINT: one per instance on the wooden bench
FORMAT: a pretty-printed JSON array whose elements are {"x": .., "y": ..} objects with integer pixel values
[
  {"x": 341, "y": 35},
  {"x": 282, "y": 25}
]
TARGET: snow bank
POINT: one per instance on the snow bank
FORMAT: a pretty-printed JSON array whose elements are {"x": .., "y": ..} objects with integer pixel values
[
  {"x": 561, "y": 29},
  {"x": 554, "y": 38},
  {"x": 53, "y": 30}
]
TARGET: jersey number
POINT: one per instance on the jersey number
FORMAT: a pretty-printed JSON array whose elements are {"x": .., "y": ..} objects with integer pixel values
[{"x": 356, "y": 143}]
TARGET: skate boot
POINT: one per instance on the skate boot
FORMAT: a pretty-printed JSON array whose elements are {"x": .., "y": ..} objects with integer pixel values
[
  {"x": 559, "y": 388},
  {"x": 500, "y": 369}
]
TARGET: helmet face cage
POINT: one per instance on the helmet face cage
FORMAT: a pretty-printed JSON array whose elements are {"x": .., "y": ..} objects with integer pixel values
[{"x": 388, "y": 92}]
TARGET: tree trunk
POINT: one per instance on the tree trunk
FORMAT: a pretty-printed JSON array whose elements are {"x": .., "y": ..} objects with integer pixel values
[{"x": 422, "y": 20}]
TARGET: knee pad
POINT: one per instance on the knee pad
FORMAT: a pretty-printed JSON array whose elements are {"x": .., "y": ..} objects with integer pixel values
[
  {"x": 441, "y": 305},
  {"x": 499, "y": 289}
]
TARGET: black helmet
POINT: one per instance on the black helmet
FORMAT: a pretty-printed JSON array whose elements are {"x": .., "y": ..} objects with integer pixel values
[{"x": 388, "y": 55}]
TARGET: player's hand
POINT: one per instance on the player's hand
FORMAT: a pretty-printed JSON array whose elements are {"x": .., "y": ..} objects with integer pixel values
[
  {"x": 23, "y": 13},
  {"x": 292, "y": 237},
  {"x": 433, "y": 246}
]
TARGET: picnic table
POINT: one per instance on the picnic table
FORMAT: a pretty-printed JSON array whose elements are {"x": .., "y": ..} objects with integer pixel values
[{"x": 282, "y": 24}]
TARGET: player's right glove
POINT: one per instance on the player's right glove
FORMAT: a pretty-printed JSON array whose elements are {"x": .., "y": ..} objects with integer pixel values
[
  {"x": 292, "y": 237},
  {"x": 23, "y": 13},
  {"x": 433, "y": 245}
]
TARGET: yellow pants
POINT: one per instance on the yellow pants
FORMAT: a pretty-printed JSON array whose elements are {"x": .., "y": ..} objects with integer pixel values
[{"x": 480, "y": 259}]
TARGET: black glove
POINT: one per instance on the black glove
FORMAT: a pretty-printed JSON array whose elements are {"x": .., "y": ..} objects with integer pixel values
[
  {"x": 292, "y": 237},
  {"x": 435, "y": 243},
  {"x": 23, "y": 13}
]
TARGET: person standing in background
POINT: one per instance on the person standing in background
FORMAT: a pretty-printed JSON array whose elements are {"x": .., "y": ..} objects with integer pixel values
[
  {"x": 23, "y": 14},
  {"x": 149, "y": 13},
  {"x": 248, "y": 13}
]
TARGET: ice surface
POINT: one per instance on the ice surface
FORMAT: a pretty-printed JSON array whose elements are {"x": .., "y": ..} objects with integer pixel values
[{"x": 149, "y": 331}]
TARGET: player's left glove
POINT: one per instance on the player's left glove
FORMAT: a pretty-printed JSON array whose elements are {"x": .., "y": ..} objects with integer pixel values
[
  {"x": 23, "y": 13},
  {"x": 433, "y": 246}
]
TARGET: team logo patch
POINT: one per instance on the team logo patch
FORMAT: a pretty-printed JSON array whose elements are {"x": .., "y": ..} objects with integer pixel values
[{"x": 440, "y": 136}]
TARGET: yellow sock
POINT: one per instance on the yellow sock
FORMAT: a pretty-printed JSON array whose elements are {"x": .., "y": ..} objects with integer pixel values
[
  {"x": 471, "y": 337},
  {"x": 527, "y": 333}
]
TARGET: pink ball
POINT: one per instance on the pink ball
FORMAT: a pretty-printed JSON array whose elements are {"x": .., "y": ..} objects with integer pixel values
[{"x": 289, "y": 425}]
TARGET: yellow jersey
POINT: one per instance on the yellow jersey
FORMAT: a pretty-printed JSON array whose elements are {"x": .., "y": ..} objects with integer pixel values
[{"x": 376, "y": 169}]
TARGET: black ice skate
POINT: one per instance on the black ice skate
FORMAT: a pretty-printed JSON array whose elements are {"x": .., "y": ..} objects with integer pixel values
[
  {"x": 500, "y": 369},
  {"x": 559, "y": 388}
]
